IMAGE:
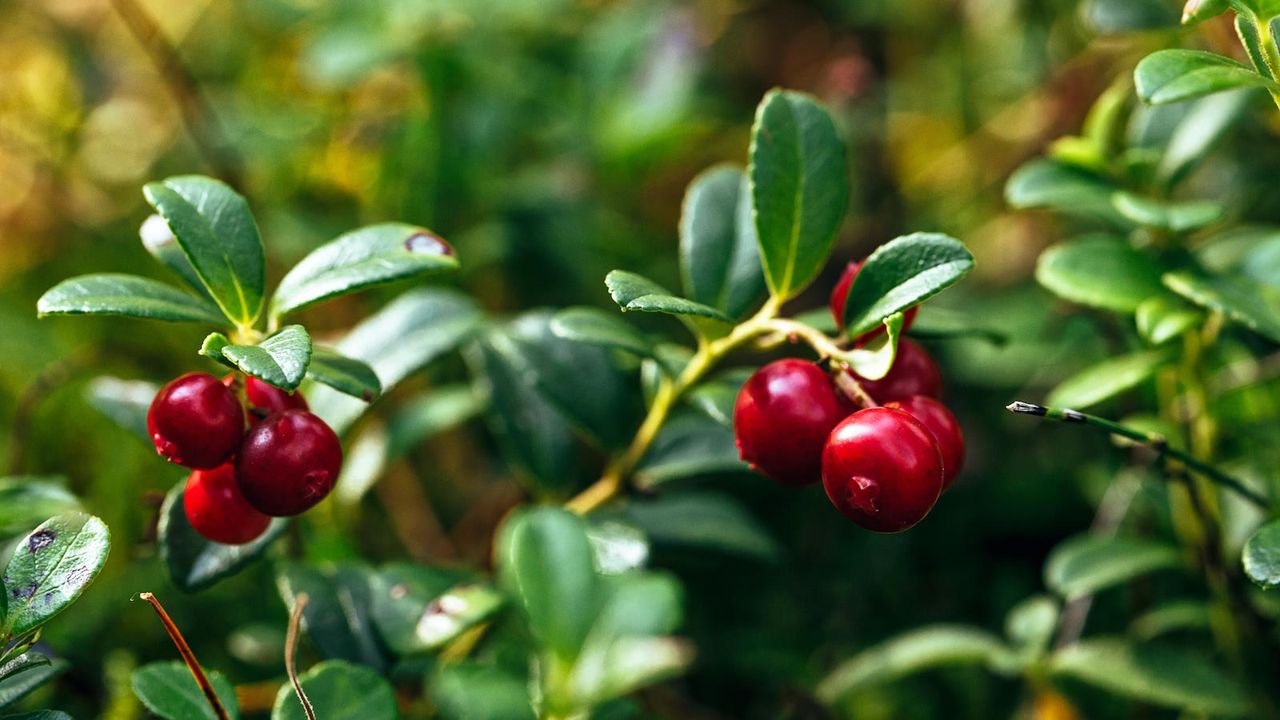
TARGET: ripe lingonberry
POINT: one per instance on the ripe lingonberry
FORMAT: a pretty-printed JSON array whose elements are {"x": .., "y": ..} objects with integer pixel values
[
  {"x": 913, "y": 373},
  {"x": 881, "y": 469},
  {"x": 196, "y": 421},
  {"x": 267, "y": 399},
  {"x": 840, "y": 295},
  {"x": 288, "y": 463},
  {"x": 945, "y": 430},
  {"x": 782, "y": 417},
  {"x": 218, "y": 511}
]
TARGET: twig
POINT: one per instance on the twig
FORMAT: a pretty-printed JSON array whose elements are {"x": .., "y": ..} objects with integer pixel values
[
  {"x": 198, "y": 116},
  {"x": 1155, "y": 441},
  {"x": 291, "y": 650},
  {"x": 188, "y": 657}
]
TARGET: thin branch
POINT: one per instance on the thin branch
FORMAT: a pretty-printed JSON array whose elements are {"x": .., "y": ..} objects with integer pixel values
[
  {"x": 1155, "y": 441},
  {"x": 188, "y": 657},
  {"x": 291, "y": 650}
]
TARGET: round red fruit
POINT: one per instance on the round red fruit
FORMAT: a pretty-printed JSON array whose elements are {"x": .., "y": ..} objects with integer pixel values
[
  {"x": 913, "y": 373},
  {"x": 782, "y": 417},
  {"x": 267, "y": 399},
  {"x": 288, "y": 463},
  {"x": 881, "y": 469},
  {"x": 217, "y": 510},
  {"x": 196, "y": 421},
  {"x": 840, "y": 295},
  {"x": 945, "y": 430}
]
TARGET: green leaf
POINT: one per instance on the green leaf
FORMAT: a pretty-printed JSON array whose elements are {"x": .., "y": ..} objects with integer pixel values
[
  {"x": 617, "y": 547},
  {"x": 874, "y": 359},
  {"x": 160, "y": 242},
  {"x": 1064, "y": 189},
  {"x": 195, "y": 563},
  {"x": 626, "y": 665},
  {"x": 397, "y": 341},
  {"x": 1171, "y": 617},
  {"x": 597, "y": 327},
  {"x": 1200, "y": 10},
  {"x": 702, "y": 520},
  {"x": 13, "y": 689},
  {"x": 1108, "y": 378},
  {"x": 1250, "y": 303},
  {"x": 1250, "y": 35},
  {"x": 921, "y": 649},
  {"x": 344, "y": 374},
  {"x": 436, "y": 411},
  {"x": 339, "y": 691},
  {"x": 544, "y": 559},
  {"x": 1167, "y": 76},
  {"x": 336, "y": 616},
  {"x": 26, "y": 501},
  {"x": 1099, "y": 271},
  {"x": 360, "y": 259},
  {"x": 1263, "y": 9},
  {"x": 719, "y": 252},
  {"x": 1086, "y": 564},
  {"x": 1261, "y": 556},
  {"x": 123, "y": 402},
  {"x": 51, "y": 567},
  {"x": 717, "y": 397},
  {"x": 799, "y": 188},
  {"x": 901, "y": 273},
  {"x": 471, "y": 691},
  {"x": 39, "y": 715},
  {"x": 1161, "y": 318},
  {"x": 635, "y": 292},
  {"x": 1172, "y": 215},
  {"x": 1153, "y": 674},
  {"x": 128, "y": 295},
  {"x": 433, "y": 622},
  {"x": 280, "y": 360},
  {"x": 1201, "y": 127},
  {"x": 218, "y": 234},
  {"x": 169, "y": 691},
  {"x": 688, "y": 444},
  {"x": 29, "y": 660},
  {"x": 1030, "y": 625},
  {"x": 402, "y": 595}
]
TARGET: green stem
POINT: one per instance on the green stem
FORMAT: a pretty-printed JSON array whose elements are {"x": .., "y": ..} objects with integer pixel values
[
  {"x": 1156, "y": 441},
  {"x": 1270, "y": 52}
]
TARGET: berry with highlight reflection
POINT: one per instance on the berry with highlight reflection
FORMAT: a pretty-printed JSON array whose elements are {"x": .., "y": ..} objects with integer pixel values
[
  {"x": 196, "y": 421},
  {"x": 288, "y": 463}
]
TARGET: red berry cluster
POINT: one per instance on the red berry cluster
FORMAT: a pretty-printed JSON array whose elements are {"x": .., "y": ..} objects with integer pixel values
[
  {"x": 883, "y": 467},
  {"x": 266, "y": 457}
]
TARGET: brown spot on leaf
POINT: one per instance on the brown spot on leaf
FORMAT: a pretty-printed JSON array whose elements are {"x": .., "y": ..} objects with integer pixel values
[
  {"x": 40, "y": 540},
  {"x": 427, "y": 244}
]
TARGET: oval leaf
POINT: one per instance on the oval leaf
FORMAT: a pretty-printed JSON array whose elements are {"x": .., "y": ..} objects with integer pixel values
[
  {"x": 195, "y": 563},
  {"x": 636, "y": 292},
  {"x": 1084, "y": 565},
  {"x": 1107, "y": 379},
  {"x": 704, "y": 521},
  {"x": 280, "y": 360},
  {"x": 344, "y": 374},
  {"x": 169, "y": 691},
  {"x": 597, "y": 327},
  {"x": 336, "y": 616},
  {"x": 339, "y": 691},
  {"x": 799, "y": 188},
  {"x": 13, "y": 689},
  {"x": 1262, "y": 556},
  {"x": 401, "y": 595},
  {"x": 1174, "y": 216},
  {"x": 719, "y": 253},
  {"x": 361, "y": 259},
  {"x": 1062, "y": 188},
  {"x": 467, "y": 690},
  {"x": 160, "y": 242},
  {"x": 688, "y": 444},
  {"x": 128, "y": 295},
  {"x": 1099, "y": 271},
  {"x": 51, "y": 567},
  {"x": 1163, "y": 317},
  {"x": 220, "y": 238},
  {"x": 1169, "y": 76},
  {"x": 901, "y": 273},
  {"x": 1250, "y": 303}
]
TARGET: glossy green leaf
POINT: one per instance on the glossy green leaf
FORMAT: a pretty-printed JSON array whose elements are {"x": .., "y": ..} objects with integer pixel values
[
  {"x": 280, "y": 360},
  {"x": 402, "y": 599},
  {"x": 470, "y": 691},
  {"x": 1099, "y": 271},
  {"x": 704, "y": 521},
  {"x": 1062, "y": 188},
  {"x": 27, "y": 500},
  {"x": 912, "y": 652},
  {"x": 1153, "y": 674},
  {"x": 1167, "y": 76},
  {"x": 51, "y": 567},
  {"x": 688, "y": 444},
  {"x": 1261, "y": 556},
  {"x": 799, "y": 188},
  {"x": 13, "y": 689},
  {"x": 1200, "y": 10},
  {"x": 336, "y": 617},
  {"x": 360, "y": 259},
  {"x": 344, "y": 374},
  {"x": 719, "y": 252},
  {"x": 128, "y": 295},
  {"x": 220, "y": 238},
  {"x": 874, "y": 359},
  {"x": 1252, "y": 304},
  {"x": 597, "y": 327},
  {"x": 339, "y": 691},
  {"x": 160, "y": 242},
  {"x": 1108, "y": 378},
  {"x": 901, "y": 273},
  {"x": 27, "y": 661},
  {"x": 545, "y": 561},
  {"x": 1086, "y": 564},
  {"x": 169, "y": 691},
  {"x": 1171, "y": 215},
  {"x": 635, "y": 292},
  {"x": 195, "y": 563},
  {"x": 1161, "y": 318},
  {"x": 124, "y": 402}
]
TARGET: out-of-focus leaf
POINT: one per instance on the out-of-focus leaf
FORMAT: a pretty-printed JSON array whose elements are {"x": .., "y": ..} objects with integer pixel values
[
  {"x": 436, "y": 411},
  {"x": 124, "y": 402},
  {"x": 1174, "y": 216},
  {"x": 702, "y": 520},
  {"x": 921, "y": 649},
  {"x": 344, "y": 374},
  {"x": 402, "y": 596},
  {"x": 1108, "y": 378},
  {"x": 1100, "y": 271},
  {"x": 1065, "y": 189},
  {"x": 1086, "y": 564},
  {"x": 1261, "y": 556},
  {"x": 1171, "y": 617},
  {"x": 597, "y": 327},
  {"x": 617, "y": 547},
  {"x": 27, "y": 661},
  {"x": 635, "y": 292},
  {"x": 688, "y": 444},
  {"x": 51, "y": 567},
  {"x": 1030, "y": 624},
  {"x": 470, "y": 691},
  {"x": 717, "y": 396},
  {"x": 1108, "y": 17},
  {"x": 280, "y": 360},
  {"x": 1199, "y": 10},
  {"x": 1167, "y": 76},
  {"x": 901, "y": 273},
  {"x": 26, "y": 501},
  {"x": 1252, "y": 304},
  {"x": 628, "y": 664},
  {"x": 1205, "y": 123},
  {"x": 195, "y": 563},
  {"x": 169, "y": 691},
  {"x": 339, "y": 691},
  {"x": 1161, "y": 318},
  {"x": 336, "y": 616},
  {"x": 129, "y": 295},
  {"x": 719, "y": 252},
  {"x": 15, "y": 688}
]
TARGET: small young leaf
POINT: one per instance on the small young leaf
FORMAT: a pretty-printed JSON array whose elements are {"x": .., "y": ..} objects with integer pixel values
[
  {"x": 1261, "y": 556},
  {"x": 195, "y": 563},
  {"x": 217, "y": 232},
  {"x": 597, "y": 327},
  {"x": 635, "y": 292},
  {"x": 903, "y": 272},
  {"x": 344, "y": 374},
  {"x": 1099, "y": 271},
  {"x": 128, "y": 295},
  {"x": 1086, "y": 564},
  {"x": 1162, "y": 317},
  {"x": 213, "y": 345},
  {"x": 874, "y": 359},
  {"x": 1200, "y": 10},
  {"x": 1108, "y": 378},
  {"x": 1174, "y": 216},
  {"x": 719, "y": 253},
  {"x": 1167, "y": 76},
  {"x": 1252, "y": 304},
  {"x": 921, "y": 649},
  {"x": 169, "y": 691},
  {"x": 339, "y": 691},
  {"x": 799, "y": 188},
  {"x": 51, "y": 567},
  {"x": 280, "y": 360},
  {"x": 361, "y": 259}
]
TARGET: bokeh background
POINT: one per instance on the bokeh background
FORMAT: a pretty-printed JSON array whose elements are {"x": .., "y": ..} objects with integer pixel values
[{"x": 551, "y": 141}]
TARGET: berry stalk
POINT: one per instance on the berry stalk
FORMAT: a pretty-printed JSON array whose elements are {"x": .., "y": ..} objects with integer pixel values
[{"x": 188, "y": 657}]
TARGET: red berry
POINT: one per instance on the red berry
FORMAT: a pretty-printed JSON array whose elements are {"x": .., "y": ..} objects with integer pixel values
[
  {"x": 882, "y": 469},
  {"x": 288, "y": 462},
  {"x": 945, "y": 430},
  {"x": 217, "y": 510},
  {"x": 913, "y": 373},
  {"x": 840, "y": 294},
  {"x": 267, "y": 399},
  {"x": 196, "y": 421},
  {"x": 782, "y": 417}
]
